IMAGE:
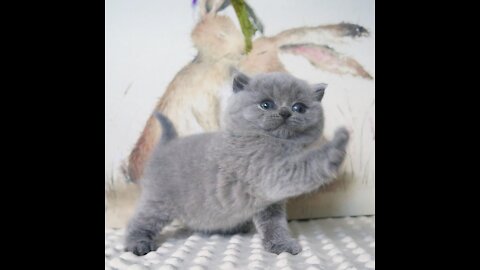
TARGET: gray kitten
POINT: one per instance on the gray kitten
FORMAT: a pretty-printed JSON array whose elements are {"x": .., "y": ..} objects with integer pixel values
[{"x": 220, "y": 182}]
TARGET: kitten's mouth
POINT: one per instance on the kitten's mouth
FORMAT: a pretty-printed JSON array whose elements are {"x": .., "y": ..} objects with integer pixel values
[
  {"x": 280, "y": 125},
  {"x": 285, "y": 123},
  {"x": 282, "y": 131}
]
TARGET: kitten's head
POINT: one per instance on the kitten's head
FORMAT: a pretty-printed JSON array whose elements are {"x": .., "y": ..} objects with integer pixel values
[{"x": 276, "y": 104}]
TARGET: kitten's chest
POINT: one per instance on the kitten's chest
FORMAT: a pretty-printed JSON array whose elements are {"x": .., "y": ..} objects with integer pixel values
[
  {"x": 243, "y": 162},
  {"x": 242, "y": 158},
  {"x": 235, "y": 195}
]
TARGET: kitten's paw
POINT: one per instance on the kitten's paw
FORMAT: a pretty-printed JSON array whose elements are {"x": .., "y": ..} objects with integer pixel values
[
  {"x": 141, "y": 247},
  {"x": 335, "y": 160},
  {"x": 337, "y": 151},
  {"x": 291, "y": 246},
  {"x": 341, "y": 138}
]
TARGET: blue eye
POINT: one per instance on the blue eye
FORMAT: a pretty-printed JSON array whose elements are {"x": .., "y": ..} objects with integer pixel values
[
  {"x": 267, "y": 105},
  {"x": 299, "y": 107}
]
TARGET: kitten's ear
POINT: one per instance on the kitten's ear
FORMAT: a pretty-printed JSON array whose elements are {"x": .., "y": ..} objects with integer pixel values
[
  {"x": 319, "y": 91},
  {"x": 240, "y": 80}
]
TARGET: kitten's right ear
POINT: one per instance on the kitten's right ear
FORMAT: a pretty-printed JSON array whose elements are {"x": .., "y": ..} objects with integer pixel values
[
  {"x": 319, "y": 91},
  {"x": 240, "y": 80}
]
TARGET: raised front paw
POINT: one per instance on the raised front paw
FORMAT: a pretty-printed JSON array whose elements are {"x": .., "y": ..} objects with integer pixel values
[
  {"x": 278, "y": 246},
  {"x": 337, "y": 150},
  {"x": 140, "y": 247},
  {"x": 341, "y": 138}
]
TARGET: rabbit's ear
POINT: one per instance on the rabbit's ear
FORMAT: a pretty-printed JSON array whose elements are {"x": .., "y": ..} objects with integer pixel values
[
  {"x": 331, "y": 34},
  {"x": 216, "y": 5},
  {"x": 211, "y": 7},
  {"x": 327, "y": 59},
  {"x": 202, "y": 8}
]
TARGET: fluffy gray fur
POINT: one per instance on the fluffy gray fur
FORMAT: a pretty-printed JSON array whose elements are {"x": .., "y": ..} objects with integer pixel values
[{"x": 221, "y": 182}]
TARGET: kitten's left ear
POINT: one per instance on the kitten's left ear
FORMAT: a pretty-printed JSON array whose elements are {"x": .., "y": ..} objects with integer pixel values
[
  {"x": 319, "y": 91},
  {"x": 240, "y": 80}
]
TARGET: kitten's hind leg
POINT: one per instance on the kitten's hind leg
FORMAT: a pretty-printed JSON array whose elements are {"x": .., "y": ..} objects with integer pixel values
[{"x": 144, "y": 228}]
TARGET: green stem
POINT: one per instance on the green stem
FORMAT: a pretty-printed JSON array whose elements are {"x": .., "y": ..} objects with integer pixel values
[{"x": 245, "y": 24}]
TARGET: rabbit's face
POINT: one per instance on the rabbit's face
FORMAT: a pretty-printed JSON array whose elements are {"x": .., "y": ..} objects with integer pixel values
[
  {"x": 263, "y": 58},
  {"x": 216, "y": 37}
]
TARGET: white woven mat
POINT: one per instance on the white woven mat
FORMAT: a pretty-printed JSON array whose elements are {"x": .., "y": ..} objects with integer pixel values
[{"x": 340, "y": 244}]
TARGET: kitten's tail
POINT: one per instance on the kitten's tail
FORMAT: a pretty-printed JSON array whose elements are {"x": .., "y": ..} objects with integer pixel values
[{"x": 168, "y": 130}]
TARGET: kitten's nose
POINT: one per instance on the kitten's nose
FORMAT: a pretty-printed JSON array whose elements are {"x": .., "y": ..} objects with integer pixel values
[{"x": 284, "y": 113}]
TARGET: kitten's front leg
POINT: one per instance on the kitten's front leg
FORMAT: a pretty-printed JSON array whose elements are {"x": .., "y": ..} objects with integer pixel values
[
  {"x": 334, "y": 152},
  {"x": 306, "y": 172},
  {"x": 272, "y": 226}
]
